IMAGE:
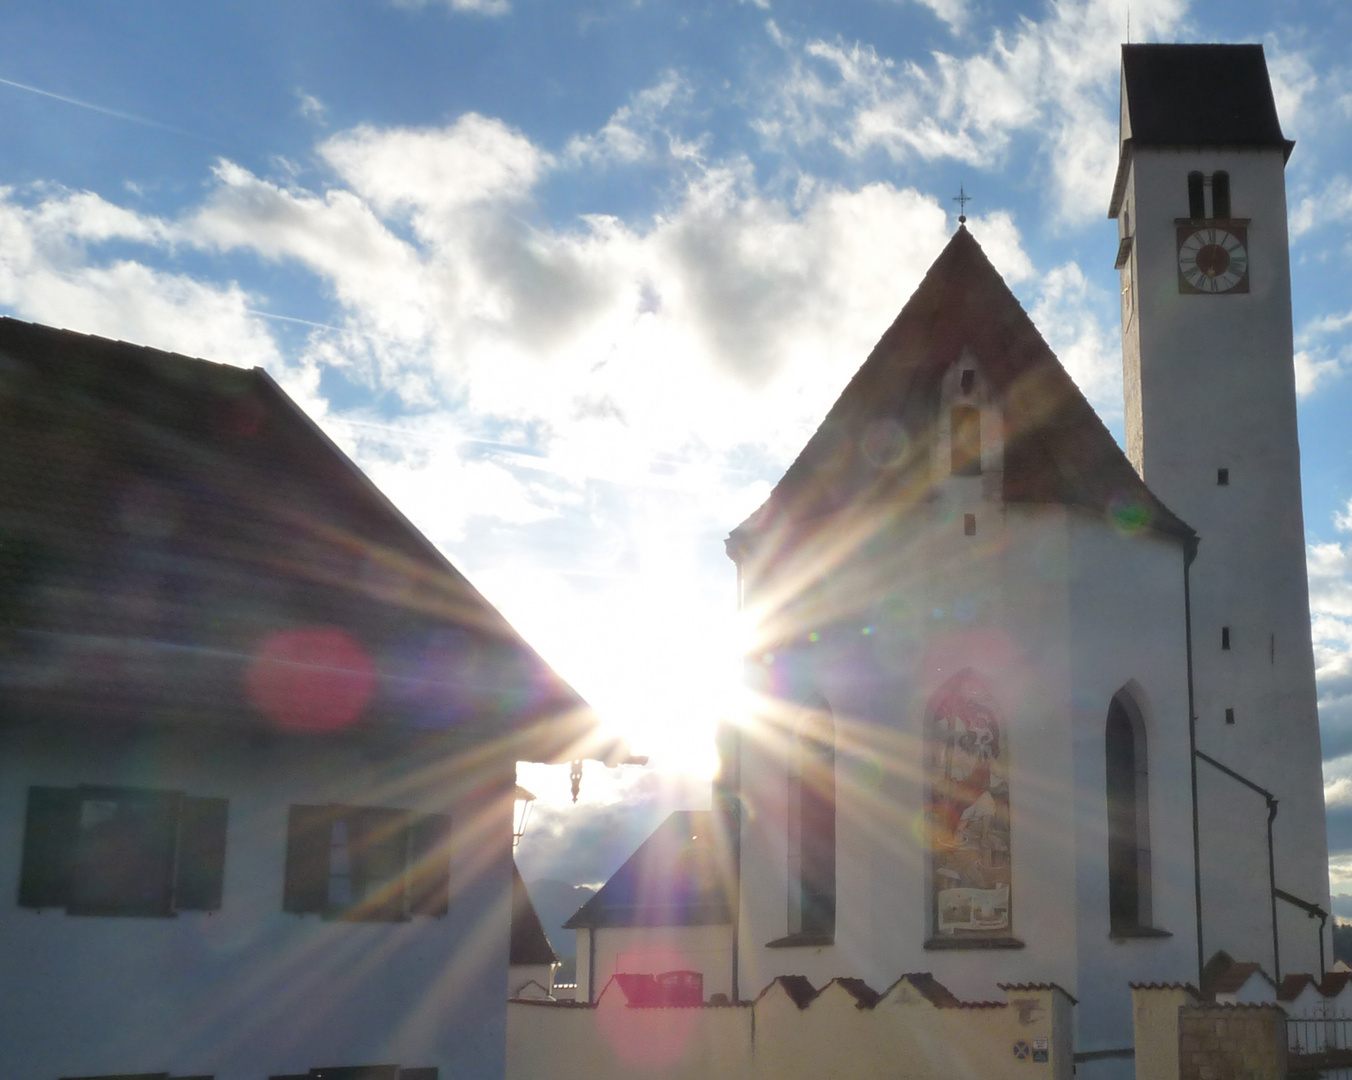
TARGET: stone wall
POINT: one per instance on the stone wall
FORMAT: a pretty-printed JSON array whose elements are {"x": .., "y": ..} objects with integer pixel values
[
  {"x": 1231, "y": 1042},
  {"x": 1179, "y": 1037}
]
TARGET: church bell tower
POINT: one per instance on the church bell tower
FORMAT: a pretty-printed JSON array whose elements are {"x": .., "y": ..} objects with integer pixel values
[{"x": 1208, "y": 360}]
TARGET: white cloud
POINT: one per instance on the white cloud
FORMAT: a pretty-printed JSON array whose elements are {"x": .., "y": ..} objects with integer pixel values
[
  {"x": 1331, "y": 205},
  {"x": 432, "y": 171},
  {"x": 1294, "y": 81},
  {"x": 310, "y": 106},
  {"x": 478, "y": 7},
  {"x": 1322, "y": 351},
  {"x": 46, "y": 275},
  {"x": 953, "y": 12},
  {"x": 1056, "y": 77},
  {"x": 630, "y": 134},
  {"x": 1068, "y": 315}
]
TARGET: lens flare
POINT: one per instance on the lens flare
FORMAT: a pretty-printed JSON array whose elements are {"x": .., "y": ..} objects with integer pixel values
[
  {"x": 310, "y": 678},
  {"x": 1128, "y": 515}
]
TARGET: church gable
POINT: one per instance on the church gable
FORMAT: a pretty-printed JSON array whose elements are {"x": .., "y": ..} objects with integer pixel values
[{"x": 962, "y": 383}]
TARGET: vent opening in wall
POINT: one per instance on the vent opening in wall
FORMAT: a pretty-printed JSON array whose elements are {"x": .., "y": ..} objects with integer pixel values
[
  {"x": 968, "y": 524},
  {"x": 1222, "y": 477},
  {"x": 1225, "y": 637},
  {"x": 1229, "y": 716}
]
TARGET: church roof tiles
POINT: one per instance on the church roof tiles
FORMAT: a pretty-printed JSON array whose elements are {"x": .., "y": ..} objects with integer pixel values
[{"x": 1056, "y": 449}]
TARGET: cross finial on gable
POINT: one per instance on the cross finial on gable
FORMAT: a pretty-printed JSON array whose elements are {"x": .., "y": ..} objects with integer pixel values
[{"x": 962, "y": 199}]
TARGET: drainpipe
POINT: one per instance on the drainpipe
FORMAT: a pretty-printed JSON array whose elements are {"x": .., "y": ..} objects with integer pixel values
[
  {"x": 1273, "y": 891},
  {"x": 1189, "y": 554},
  {"x": 1272, "y": 886}
]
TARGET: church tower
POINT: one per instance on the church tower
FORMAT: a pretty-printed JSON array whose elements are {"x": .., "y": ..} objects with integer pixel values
[{"x": 1200, "y": 202}]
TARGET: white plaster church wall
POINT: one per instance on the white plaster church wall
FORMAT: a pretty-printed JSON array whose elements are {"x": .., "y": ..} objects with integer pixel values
[
  {"x": 1002, "y": 608},
  {"x": 1128, "y": 586},
  {"x": 1213, "y": 380}
]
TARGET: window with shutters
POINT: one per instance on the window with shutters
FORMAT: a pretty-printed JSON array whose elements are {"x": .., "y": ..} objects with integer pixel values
[
  {"x": 366, "y": 863},
  {"x": 122, "y": 851}
]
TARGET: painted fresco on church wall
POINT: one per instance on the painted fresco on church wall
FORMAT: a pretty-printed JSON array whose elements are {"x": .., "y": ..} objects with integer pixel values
[{"x": 967, "y": 766}]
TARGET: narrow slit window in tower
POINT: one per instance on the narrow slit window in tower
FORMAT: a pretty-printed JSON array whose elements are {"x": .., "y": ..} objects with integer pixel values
[
  {"x": 1196, "y": 196},
  {"x": 1220, "y": 195},
  {"x": 1229, "y": 716},
  {"x": 1225, "y": 637},
  {"x": 1222, "y": 477},
  {"x": 968, "y": 381}
]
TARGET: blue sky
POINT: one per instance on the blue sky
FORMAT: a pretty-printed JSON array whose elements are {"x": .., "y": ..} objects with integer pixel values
[{"x": 574, "y": 282}]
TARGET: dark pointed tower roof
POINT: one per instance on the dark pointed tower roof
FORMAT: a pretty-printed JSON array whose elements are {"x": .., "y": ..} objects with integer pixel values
[{"x": 1056, "y": 449}]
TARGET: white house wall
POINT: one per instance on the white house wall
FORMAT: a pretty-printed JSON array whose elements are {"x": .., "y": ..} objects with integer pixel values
[{"x": 248, "y": 990}]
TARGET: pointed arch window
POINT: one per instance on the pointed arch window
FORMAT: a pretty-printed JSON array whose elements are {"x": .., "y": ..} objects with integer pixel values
[
  {"x": 812, "y": 827},
  {"x": 1129, "y": 908}
]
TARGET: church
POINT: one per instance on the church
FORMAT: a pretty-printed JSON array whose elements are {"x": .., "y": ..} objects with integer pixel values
[{"x": 1031, "y": 708}]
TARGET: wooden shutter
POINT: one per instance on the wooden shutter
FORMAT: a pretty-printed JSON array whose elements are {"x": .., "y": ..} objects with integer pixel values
[
  {"x": 429, "y": 864},
  {"x": 308, "y": 833},
  {"x": 201, "y": 854},
  {"x": 48, "y": 840},
  {"x": 379, "y": 839}
]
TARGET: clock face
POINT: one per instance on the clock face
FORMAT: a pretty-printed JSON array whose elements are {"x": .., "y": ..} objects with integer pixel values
[{"x": 1212, "y": 259}]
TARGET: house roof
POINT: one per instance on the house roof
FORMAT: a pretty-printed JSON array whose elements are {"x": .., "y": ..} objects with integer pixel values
[
  {"x": 1291, "y": 986},
  {"x": 530, "y": 943},
  {"x": 1199, "y": 95},
  {"x": 798, "y": 988},
  {"x": 679, "y": 876},
  {"x": 182, "y": 542},
  {"x": 1225, "y": 975},
  {"x": 1057, "y": 450}
]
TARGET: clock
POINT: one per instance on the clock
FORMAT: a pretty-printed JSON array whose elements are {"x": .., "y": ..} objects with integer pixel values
[{"x": 1212, "y": 258}]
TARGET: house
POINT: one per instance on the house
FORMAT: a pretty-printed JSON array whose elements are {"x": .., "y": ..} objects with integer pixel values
[
  {"x": 1032, "y": 707},
  {"x": 531, "y": 958},
  {"x": 668, "y": 909},
  {"x": 257, "y": 739}
]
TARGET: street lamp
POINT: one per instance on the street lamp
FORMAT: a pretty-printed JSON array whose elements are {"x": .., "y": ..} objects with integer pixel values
[{"x": 523, "y": 800}]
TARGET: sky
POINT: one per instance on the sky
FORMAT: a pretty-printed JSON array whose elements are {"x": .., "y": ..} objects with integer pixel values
[{"x": 573, "y": 282}]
